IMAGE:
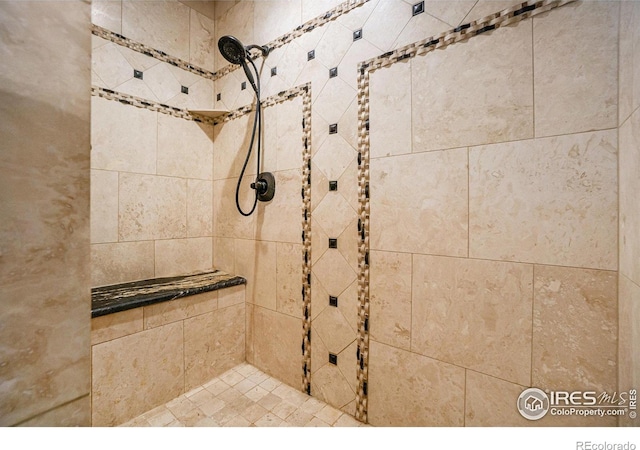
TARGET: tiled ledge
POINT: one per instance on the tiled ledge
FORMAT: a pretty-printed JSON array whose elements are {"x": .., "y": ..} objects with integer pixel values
[{"x": 121, "y": 297}]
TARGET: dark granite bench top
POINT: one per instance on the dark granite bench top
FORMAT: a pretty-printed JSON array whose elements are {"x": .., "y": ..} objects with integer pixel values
[{"x": 121, "y": 297}]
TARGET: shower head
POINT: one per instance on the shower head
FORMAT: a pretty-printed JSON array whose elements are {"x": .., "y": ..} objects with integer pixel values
[{"x": 233, "y": 50}]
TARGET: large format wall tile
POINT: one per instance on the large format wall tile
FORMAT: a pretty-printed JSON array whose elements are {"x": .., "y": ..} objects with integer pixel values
[
  {"x": 104, "y": 206},
  {"x": 289, "y": 278},
  {"x": 281, "y": 218},
  {"x": 473, "y": 313},
  {"x": 185, "y": 148},
  {"x": 419, "y": 203},
  {"x": 117, "y": 325},
  {"x": 201, "y": 40},
  {"x": 390, "y": 293},
  {"x": 199, "y": 208},
  {"x": 107, "y": 14},
  {"x": 629, "y": 338},
  {"x": 406, "y": 389},
  {"x": 256, "y": 261},
  {"x": 122, "y": 261},
  {"x": 213, "y": 343},
  {"x": 629, "y": 141},
  {"x": 474, "y": 93},
  {"x": 548, "y": 201},
  {"x": 227, "y": 221},
  {"x": 629, "y": 64},
  {"x": 181, "y": 256},
  {"x": 122, "y": 138},
  {"x": 574, "y": 329},
  {"x": 161, "y": 25},
  {"x": 277, "y": 345},
  {"x": 390, "y": 110},
  {"x": 128, "y": 382},
  {"x": 152, "y": 207},
  {"x": 492, "y": 402},
  {"x": 576, "y": 60}
]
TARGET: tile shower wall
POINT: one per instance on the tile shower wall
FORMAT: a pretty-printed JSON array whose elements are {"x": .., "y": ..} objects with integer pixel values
[
  {"x": 152, "y": 173},
  {"x": 493, "y": 212},
  {"x": 44, "y": 234},
  {"x": 629, "y": 142}
]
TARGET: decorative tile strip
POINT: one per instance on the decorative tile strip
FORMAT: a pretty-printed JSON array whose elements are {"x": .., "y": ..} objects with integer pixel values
[
  {"x": 150, "y": 105},
  {"x": 306, "y": 27},
  {"x": 149, "y": 51},
  {"x": 306, "y": 239},
  {"x": 517, "y": 13}
]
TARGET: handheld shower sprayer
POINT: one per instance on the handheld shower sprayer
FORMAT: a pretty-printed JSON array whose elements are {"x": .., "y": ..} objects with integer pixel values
[{"x": 233, "y": 51}]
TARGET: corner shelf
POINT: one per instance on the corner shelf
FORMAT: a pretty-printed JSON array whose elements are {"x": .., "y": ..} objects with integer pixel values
[{"x": 213, "y": 113}]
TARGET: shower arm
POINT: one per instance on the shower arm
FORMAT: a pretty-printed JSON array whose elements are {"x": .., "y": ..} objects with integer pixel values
[{"x": 263, "y": 49}]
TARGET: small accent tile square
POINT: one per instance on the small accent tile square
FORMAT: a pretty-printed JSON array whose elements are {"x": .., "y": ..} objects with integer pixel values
[
  {"x": 274, "y": 71},
  {"x": 137, "y": 74},
  {"x": 333, "y": 185},
  {"x": 357, "y": 34},
  {"x": 333, "y": 243},
  {"x": 333, "y": 301},
  {"x": 184, "y": 90},
  {"x": 333, "y": 128},
  {"x": 333, "y": 359},
  {"x": 311, "y": 55},
  {"x": 218, "y": 97},
  {"x": 333, "y": 72},
  {"x": 417, "y": 8},
  {"x": 243, "y": 85}
]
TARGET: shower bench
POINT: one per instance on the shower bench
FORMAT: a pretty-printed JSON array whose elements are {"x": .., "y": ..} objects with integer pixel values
[{"x": 153, "y": 340}]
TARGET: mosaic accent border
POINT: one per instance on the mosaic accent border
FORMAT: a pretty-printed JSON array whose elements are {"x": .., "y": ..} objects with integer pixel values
[
  {"x": 150, "y": 51},
  {"x": 306, "y": 27},
  {"x": 509, "y": 16},
  {"x": 300, "y": 30}
]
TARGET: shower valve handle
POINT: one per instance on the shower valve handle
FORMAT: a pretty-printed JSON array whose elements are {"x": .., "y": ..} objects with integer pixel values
[{"x": 260, "y": 186}]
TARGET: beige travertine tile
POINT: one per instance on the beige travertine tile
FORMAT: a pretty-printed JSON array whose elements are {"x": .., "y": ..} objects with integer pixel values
[
  {"x": 104, "y": 206},
  {"x": 112, "y": 68},
  {"x": 332, "y": 47},
  {"x": 390, "y": 110},
  {"x": 137, "y": 88},
  {"x": 121, "y": 374},
  {"x": 201, "y": 40},
  {"x": 473, "y": 313},
  {"x": 230, "y": 296},
  {"x": 492, "y": 402},
  {"x": 629, "y": 167},
  {"x": 182, "y": 256},
  {"x": 199, "y": 208},
  {"x": 122, "y": 138},
  {"x": 107, "y": 14},
  {"x": 203, "y": 7},
  {"x": 277, "y": 345},
  {"x": 213, "y": 343},
  {"x": 185, "y": 148},
  {"x": 140, "y": 61},
  {"x": 289, "y": 258},
  {"x": 179, "y": 309},
  {"x": 427, "y": 209},
  {"x": 629, "y": 64},
  {"x": 360, "y": 50},
  {"x": 121, "y": 262},
  {"x": 292, "y": 64},
  {"x": 249, "y": 331},
  {"x": 333, "y": 156},
  {"x": 289, "y": 143},
  {"x": 629, "y": 339},
  {"x": 492, "y": 78},
  {"x": 528, "y": 198},
  {"x": 315, "y": 8},
  {"x": 348, "y": 124},
  {"x": 256, "y": 262},
  {"x": 274, "y": 18},
  {"x": 224, "y": 254},
  {"x": 152, "y": 207},
  {"x": 400, "y": 381},
  {"x": 390, "y": 296},
  {"x": 114, "y": 326},
  {"x": 575, "y": 61},
  {"x": 430, "y": 24},
  {"x": 227, "y": 221},
  {"x": 334, "y": 272},
  {"x": 280, "y": 219},
  {"x": 453, "y": 13},
  {"x": 484, "y": 8},
  {"x": 161, "y": 25},
  {"x": 330, "y": 385},
  {"x": 162, "y": 83},
  {"x": 335, "y": 98},
  {"x": 574, "y": 329},
  {"x": 76, "y": 413},
  {"x": 386, "y": 22},
  {"x": 334, "y": 330},
  {"x": 334, "y": 214}
]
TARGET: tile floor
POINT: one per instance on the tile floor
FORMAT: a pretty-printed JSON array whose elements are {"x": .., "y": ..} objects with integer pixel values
[{"x": 244, "y": 397}]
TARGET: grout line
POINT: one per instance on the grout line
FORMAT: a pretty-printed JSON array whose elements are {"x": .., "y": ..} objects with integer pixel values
[
  {"x": 464, "y": 399},
  {"x": 533, "y": 75},
  {"x": 533, "y": 311}
]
